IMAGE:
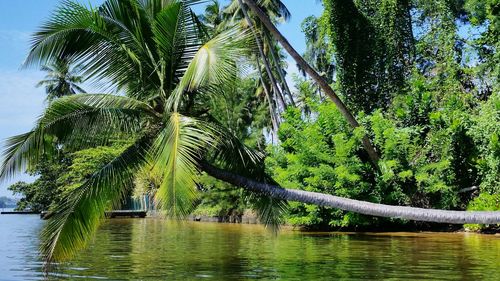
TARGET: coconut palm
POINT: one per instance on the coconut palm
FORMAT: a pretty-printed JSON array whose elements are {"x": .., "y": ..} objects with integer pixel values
[
  {"x": 214, "y": 16},
  {"x": 276, "y": 10},
  {"x": 61, "y": 80},
  {"x": 158, "y": 54}
]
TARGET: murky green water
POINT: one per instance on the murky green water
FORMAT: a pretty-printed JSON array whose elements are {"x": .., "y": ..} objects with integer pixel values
[{"x": 151, "y": 249}]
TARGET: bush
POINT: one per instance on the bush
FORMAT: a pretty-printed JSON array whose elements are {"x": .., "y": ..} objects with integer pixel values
[{"x": 484, "y": 202}]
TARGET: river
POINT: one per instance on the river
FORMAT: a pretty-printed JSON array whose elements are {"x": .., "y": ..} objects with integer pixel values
[{"x": 154, "y": 249}]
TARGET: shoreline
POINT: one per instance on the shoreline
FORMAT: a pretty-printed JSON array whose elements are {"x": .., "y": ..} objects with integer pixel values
[{"x": 252, "y": 219}]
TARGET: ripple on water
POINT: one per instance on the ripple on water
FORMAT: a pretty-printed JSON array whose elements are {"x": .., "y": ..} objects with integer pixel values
[{"x": 151, "y": 249}]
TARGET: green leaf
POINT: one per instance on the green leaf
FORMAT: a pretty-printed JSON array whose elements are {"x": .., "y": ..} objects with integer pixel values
[
  {"x": 76, "y": 219},
  {"x": 176, "y": 153}
]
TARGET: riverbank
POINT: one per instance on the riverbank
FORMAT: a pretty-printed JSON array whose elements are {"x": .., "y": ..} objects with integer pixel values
[{"x": 249, "y": 217}]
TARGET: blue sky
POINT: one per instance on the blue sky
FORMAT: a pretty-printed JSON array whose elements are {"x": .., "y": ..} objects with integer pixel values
[{"x": 21, "y": 102}]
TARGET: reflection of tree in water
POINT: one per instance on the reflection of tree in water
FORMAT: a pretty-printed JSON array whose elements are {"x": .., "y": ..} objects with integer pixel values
[
  {"x": 155, "y": 249},
  {"x": 185, "y": 250},
  {"x": 109, "y": 253}
]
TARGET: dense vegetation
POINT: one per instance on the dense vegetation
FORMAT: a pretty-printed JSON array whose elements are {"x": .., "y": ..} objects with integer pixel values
[
  {"x": 424, "y": 78},
  {"x": 415, "y": 121}
]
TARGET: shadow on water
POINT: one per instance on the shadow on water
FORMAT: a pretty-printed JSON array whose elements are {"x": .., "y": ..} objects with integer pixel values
[{"x": 153, "y": 249}]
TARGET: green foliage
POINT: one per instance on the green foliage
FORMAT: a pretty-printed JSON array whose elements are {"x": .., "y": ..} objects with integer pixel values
[
  {"x": 484, "y": 202},
  {"x": 424, "y": 93},
  {"x": 57, "y": 177},
  {"x": 220, "y": 199},
  {"x": 86, "y": 162},
  {"x": 432, "y": 145},
  {"x": 485, "y": 132},
  {"x": 241, "y": 111},
  {"x": 317, "y": 50},
  {"x": 44, "y": 191},
  {"x": 486, "y": 14},
  {"x": 320, "y": 154},
  {"x": 373, "y": 47}
]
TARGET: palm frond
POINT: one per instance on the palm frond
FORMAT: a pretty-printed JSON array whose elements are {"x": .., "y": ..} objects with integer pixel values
[
  {"x": 23, "y": 152},
  {"x": 215, "y": 63},
  {"x": 67, "y": 34},
  {"x": 76, "y": 219},
  {"x": 106, "y": 51},
  {"x": 153, "y": 7},
  {"x": 275, "y": 9},
  {"x": 178, "y": 36},
  {"x": 77, "y": 121},
  {"x": 233, "y": 155},
  {"x": 176, "y": 153},
  {"x": 270, "y": 211}
]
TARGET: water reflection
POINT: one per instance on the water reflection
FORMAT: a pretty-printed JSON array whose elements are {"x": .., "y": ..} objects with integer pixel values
[{"x": 151, "y": 249}]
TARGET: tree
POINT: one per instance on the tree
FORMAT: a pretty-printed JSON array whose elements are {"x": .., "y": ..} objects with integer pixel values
[
  {"x": 214, "y": 17},
  {"x": 373, "y": 46},
  {"x": 317, "y": 51},
  {"x": 169, "y": 75},
  {"x": 274, "y": 82},
  {"x": 61, "y": 80},
  {"x": 361, "y": 207},
  {"x": 44, "y": 191}
]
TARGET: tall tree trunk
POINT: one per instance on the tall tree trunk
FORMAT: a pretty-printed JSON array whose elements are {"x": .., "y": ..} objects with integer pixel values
[
  {"x": 267, "y": 65},
  {"x": 361, "y": 207},
  {"x": 323, "y": 84},
  {"x": 274, "y": 56},
  {"x": 274, "y": 116}
]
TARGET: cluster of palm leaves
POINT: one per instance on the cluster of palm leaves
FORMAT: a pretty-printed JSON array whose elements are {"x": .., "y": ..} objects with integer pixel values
[
  {"x": 61, "y": 80},
  {"x": 164, "y": 66},
  {"x": 268, "y": 59}
]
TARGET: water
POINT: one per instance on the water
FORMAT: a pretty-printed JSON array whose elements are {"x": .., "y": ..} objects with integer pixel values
[
  {"x": 18, "y": 247},
  {"x": 152, "y": 249}
]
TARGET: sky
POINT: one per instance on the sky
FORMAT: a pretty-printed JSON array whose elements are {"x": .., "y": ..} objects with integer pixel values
[{"x": 21, "y": 102}]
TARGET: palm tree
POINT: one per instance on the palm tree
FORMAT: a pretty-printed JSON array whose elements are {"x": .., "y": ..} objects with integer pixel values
[
  {"x": 276, "y": 10},
  {"x": 159, "y": 55},
  {"x": 361, "y": 207},
  {"x": 217, "y": 17},
  {"x": 61, "y": 80},
  {"x": 214, "y": 16}
]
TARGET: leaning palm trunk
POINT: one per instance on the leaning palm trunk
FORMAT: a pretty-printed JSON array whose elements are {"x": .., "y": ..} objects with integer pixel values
[
  {"x": 361, "y": 207},
  {"x": 323, "y": 84}
]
